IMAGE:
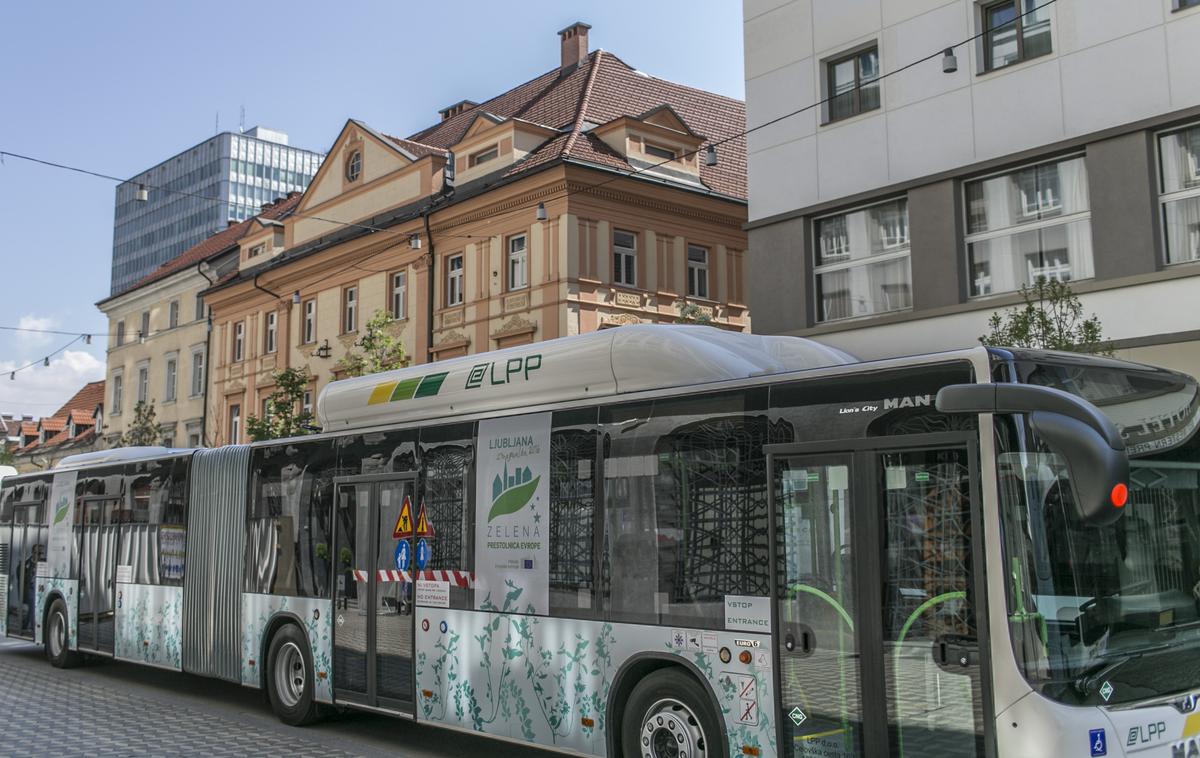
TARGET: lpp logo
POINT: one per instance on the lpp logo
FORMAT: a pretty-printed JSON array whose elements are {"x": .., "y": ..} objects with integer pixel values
[{"x": 1146, "y": 733}]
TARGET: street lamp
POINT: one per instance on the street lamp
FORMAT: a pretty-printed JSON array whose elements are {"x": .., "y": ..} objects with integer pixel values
[
  {"x": 324, "y": 350},
  {"x": 949, "y": 61}
]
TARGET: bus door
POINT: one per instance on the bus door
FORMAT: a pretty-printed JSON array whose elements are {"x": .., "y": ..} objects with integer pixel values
[
  {"x": 879, "y": 579},
  {"x": 373, "y": 602},
  {"x": 25, "y": 551},
  {"x": 99, "y": 535}
]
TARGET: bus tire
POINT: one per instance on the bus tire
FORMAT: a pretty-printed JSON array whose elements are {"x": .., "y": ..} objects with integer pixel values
[
  {"x": 668, "y": 713},
  {"x": 290, "y": 677},
  {"x": 57, "y": 637}
]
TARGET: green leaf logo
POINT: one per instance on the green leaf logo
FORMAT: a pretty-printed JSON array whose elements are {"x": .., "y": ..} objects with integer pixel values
[
  {"x": 60, "y": 513},
  {"x": 513, "y": 500}
]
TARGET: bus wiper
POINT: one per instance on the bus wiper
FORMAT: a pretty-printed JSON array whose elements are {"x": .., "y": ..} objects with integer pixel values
[{"x": 1101, "y": 669}]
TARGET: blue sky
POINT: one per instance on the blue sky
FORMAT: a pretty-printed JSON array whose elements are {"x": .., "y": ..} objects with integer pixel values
[{"x": 116, "y": 87}]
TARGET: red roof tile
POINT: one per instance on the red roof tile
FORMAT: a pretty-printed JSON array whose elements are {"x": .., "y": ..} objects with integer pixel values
[
  {"x": 213, "y": 246},
  {"x": 86, "y": 399},
  {"x": 53, "y": 423}
]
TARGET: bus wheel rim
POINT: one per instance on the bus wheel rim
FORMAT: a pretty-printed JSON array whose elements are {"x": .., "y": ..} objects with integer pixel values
[
  {"x": 290, "y": 674},
  {"x": 57, "y": 634},
  {"x": 671, "y": 729}
]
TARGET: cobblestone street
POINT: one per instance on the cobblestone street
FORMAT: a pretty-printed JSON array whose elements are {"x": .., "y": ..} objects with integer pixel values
[{"x": 120, "y": 709}]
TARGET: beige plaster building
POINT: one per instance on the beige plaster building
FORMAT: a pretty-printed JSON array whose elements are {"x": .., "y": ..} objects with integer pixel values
[
  {"x": 590, "y": 196},
  {"x": 158, "y": 337}
]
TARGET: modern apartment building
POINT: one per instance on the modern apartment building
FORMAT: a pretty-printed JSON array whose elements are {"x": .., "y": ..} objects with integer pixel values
[
  {"x": 198, "y": 192},
  {"x": 1062, "y": 141},
  {"x": 582, "y": 199}
]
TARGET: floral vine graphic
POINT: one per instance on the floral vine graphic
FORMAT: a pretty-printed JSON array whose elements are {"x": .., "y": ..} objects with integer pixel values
[{"x": 150, "y": 625}]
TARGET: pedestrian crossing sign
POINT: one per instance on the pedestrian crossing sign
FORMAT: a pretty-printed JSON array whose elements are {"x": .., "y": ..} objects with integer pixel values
[
  {"x": 404, "y": 523},
  {"x": 423, "y": 528}
]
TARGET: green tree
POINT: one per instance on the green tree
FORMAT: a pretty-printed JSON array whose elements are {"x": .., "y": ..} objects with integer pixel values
[
  {"x": 144, "y": 429},
  {"x": 690, "y": 313},
  {"x": 1051, "y": 318},
  {"x": 6, "y": 457},
  {"x": 285, "y": 416},
  {"x": 378, "y": 350}
]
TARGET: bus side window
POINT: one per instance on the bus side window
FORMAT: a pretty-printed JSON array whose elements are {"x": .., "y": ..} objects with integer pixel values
[
  {"x": 574, "y": 476},
  {"x": 446, "y": 489},
  {"x": 686, "y": 507}
]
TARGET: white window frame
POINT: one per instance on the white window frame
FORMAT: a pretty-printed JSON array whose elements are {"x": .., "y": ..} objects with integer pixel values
[
  {"x": 399, "y": 298},
  {"x": 120, "y": 333},
  {"x": 143, "y": 382},
  {"x": 145, "y": 326},
  {"x": 310, "y": 321},
  {"x": 239, "y": 341},
  {"x": 118, "y": 392},
  {"x": 350, "y": 309},
  {"x": 518, "y": 262},
  {"x": 198, "y": 375},
  {"x": 480, "y": 157},
  {"x": 200, "y": 311},
  {"x": 627, "y": 255},
  {"x": 173, "y": 314},
  {"x": 845, "y": 262},
  {"x": 235, "y": 423},
  {"x": 454, "y": 279},
  {"x": 171, "y": 376},
  {"x": 269, "y": 331},
  {"x": 697, "y": 273},
  {"x": 1166, "y": 197},
  {"x": 1013, "y": 230}
]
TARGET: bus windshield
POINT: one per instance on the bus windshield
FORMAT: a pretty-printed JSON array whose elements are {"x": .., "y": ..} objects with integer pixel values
[{"x": 1107, "y": 614}]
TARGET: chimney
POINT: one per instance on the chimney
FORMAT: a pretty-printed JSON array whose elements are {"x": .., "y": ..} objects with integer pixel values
[
  {"x": 450, "y": 111},
  {"x": 574, "y": 45}
]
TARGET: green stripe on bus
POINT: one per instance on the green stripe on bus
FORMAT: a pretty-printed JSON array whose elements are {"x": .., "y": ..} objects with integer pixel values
[
  {"x": 431, "y": 384},
  {"x": 405, "y": 389}
]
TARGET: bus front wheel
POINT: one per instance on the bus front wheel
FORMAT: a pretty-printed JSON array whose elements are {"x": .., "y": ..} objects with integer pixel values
[
  {"x": 290, "y": 677},
  {"x": 668, "y": 716},
  {"x": 58, "y": 638}
]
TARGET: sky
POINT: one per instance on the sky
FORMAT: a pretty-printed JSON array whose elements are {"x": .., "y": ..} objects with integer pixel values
[{"x": 116, "y": 87}]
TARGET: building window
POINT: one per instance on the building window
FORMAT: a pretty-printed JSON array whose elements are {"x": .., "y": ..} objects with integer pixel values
[
  {"x": 239, "y": 340},
  {"x": 861, "y": 266},
  {"x": 143, "y": 385},
  {"x": 354, "y": 166},
  {"x": 656, "y": 151},
  {"x": 1179, "y": 169},
  {"x": 199, "y": 307},
  {"x": 173, "y": 314},
  {"x": 1029, "y": 223},
  {"x": 306, "y": 405},
  {"x": 145, "y": 332},
  {"x": 349, "y": 310},
  {"x": 193, "y": 436},
  {"x": 1184, "y": 4},
  {"x": 518, "y": 262},
  {"x": 483, "y": 156},
  {"x": 697, "y": 271},
  {"x": 1013, "y": 31},
  {"x": 118, "y": 393},
  {"x": 169, "y": 390},
  {"x": 235, "y": 423},
  {"x": 399, "y": 295},
  {"x": 120, "y": 333},
  {"x": 197, "y": 373},
  {"x": 454, "y": 280},
  {"x": 310, "y": 321},
  {"x": 625, "y": 258},
  {"x": 269, "y": 333},
  {"x": 853, "y": 83},
  {"x": 255, "y": 251}
]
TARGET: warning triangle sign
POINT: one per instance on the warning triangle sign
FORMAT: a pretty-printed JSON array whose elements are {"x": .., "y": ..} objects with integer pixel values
[
  {"x": 423, "y": 527},
  {"x": 404, "y": 524}
]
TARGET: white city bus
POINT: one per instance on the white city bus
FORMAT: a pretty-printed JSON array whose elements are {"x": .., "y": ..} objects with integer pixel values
[{"x": 667, "y": 541}]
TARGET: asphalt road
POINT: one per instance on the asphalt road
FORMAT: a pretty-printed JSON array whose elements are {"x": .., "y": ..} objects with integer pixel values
[{"x": 105, "y": 708}]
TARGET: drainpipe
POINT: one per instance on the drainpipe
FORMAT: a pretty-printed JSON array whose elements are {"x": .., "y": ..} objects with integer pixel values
[
  {"x": 207, "y": 367},
  {"x": 432, "y": 290}
]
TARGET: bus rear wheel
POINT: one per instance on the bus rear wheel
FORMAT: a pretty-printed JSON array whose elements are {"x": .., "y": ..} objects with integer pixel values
[
  {"x": 290, "y": 678},
  {"x": 668, "y": 716},
  {"x": 58, "y": 638}
]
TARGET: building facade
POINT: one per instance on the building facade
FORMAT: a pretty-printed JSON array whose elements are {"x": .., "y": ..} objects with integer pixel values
[
  {"x": 158, "y": 337},
  {"x": 228, "y": 177},
  {"x": 1062, "y": 141},
  {"x": 545, "y": 231}
]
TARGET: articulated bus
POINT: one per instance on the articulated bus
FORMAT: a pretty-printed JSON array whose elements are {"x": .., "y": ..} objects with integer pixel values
[{"x": 667, "y": 541}]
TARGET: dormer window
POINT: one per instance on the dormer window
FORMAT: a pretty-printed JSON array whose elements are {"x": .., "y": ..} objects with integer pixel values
[
  {"x": 354, "y": 166},
  {"x": 660, "y": 152},
  {"x": 256, "y": 251},
  {"x": 483, "y": 156}
]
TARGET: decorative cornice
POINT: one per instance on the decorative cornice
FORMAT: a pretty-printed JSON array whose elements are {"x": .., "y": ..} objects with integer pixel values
[{"x": 513, "y": 327}]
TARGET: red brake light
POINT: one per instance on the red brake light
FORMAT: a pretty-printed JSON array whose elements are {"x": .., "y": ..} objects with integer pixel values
[{"x": 1120, "y": 495}]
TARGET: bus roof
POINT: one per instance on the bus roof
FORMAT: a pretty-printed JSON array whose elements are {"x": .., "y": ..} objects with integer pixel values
[
  {"x": 594, "y": 365},
  {"x": 118, "y": 455}
]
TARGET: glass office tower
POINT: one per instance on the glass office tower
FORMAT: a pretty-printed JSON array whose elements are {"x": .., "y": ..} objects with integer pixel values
[{"x": 226, "y": 178}]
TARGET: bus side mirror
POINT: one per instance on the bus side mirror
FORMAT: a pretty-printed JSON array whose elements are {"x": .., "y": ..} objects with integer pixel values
[{"x": 1073, "y": 428}]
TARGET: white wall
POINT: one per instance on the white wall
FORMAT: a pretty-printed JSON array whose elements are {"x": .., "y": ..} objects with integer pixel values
[{"x": 1114, "y": 62}]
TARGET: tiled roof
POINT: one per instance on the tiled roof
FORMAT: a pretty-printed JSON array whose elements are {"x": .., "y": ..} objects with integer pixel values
[
  {"x": 213, "y": 246},
  {"x": 54, "y": 423},
  {"x": 601, "y": 89},
  {"x": 86, "y": 399},
  {"x": 80, "y": 406},
  {"x": 28, "y": 428},
  {"x": 416, "y": 148}
]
